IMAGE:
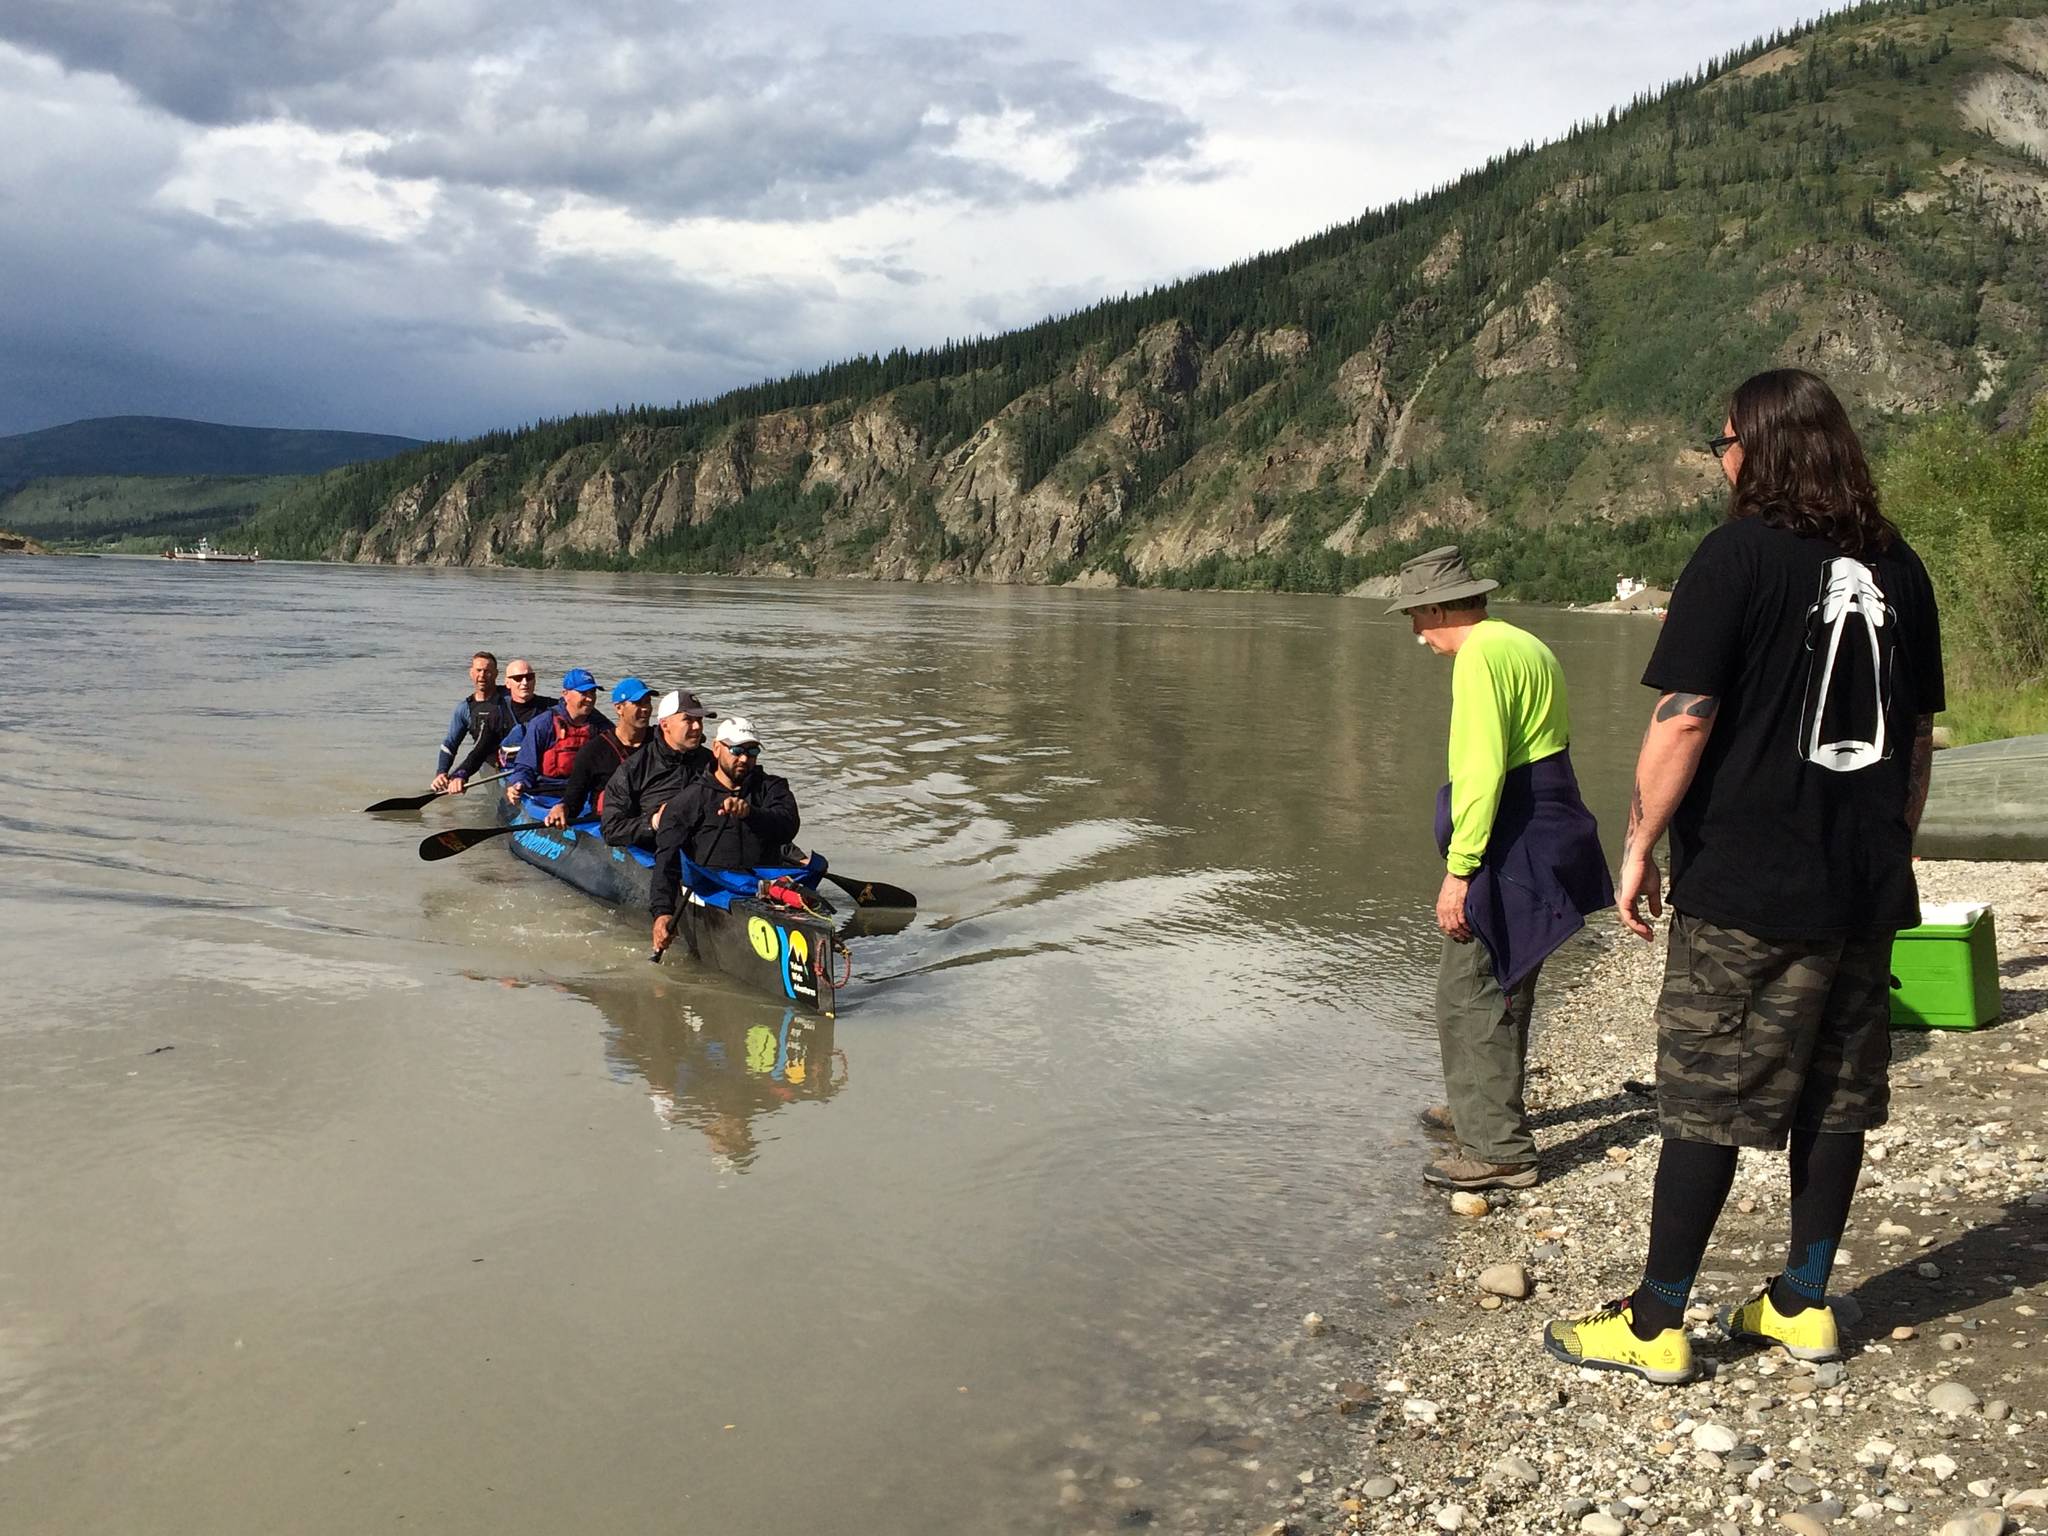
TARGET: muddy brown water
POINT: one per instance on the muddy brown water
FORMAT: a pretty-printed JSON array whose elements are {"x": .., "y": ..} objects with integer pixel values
[{"x": 347, "y": 1192}]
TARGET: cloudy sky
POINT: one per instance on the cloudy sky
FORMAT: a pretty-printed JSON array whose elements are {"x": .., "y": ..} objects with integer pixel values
[{"x": 436, "y": 216}]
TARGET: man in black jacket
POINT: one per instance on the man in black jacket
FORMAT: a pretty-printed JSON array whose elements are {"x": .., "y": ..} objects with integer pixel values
[
  {"x": 735, "y": 817},
  {"x": 673, "y": 756}
]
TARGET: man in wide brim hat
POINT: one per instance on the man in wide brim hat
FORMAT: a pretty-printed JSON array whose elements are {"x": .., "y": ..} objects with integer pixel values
[
  {"x": 1522, "y": 864},
  {"x": 1441, "y": 576}
]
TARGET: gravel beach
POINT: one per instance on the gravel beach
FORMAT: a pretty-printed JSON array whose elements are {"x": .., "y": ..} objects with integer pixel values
[{"x": 1936, "y": 1418}]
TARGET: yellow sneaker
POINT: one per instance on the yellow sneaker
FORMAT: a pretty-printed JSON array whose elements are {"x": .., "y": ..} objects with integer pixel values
[
  {"x": 1808, "y": 1335},
  {"x": 1605, "y": 1341}
]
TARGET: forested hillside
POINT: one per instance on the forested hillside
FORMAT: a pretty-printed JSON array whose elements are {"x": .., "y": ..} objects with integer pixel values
[
  {"x": 137, "y": 512},
  {"x": 168, "y": 445},
  {"x": 1527, "y": 360}
]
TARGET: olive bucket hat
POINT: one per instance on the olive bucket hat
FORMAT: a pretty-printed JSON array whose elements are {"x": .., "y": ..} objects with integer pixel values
[{"x": 1441, "y": 576}]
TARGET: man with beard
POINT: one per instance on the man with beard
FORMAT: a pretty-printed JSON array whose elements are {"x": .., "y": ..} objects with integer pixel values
[{"x": 735, "y": 817}]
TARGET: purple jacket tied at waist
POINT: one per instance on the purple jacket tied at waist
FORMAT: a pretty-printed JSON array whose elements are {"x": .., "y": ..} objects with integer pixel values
[{"x": 1543, "y": 870}]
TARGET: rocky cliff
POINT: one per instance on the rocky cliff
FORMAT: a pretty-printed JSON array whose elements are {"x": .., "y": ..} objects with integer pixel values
[{"x": 1532, "y": 357}]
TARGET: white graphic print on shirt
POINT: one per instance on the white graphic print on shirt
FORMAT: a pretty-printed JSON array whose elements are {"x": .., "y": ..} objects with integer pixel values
[{"x": 1852, "y": 638}]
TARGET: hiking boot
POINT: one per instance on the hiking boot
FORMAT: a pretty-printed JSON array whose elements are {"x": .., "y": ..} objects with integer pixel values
[
  {"x": 1462, "y": 1172},
  {"x": 1808, "y": 1335},
  {"x": 1438, "y": 1118},
  {"x": 1606, "y": 1341}
]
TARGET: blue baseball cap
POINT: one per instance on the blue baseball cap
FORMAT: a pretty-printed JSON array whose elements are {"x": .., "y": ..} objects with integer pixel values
[
  {"x": 577, "y": 680},
  {"x": 631, "y": 690}
]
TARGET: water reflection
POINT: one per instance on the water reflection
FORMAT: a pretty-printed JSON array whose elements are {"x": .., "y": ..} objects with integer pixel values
[{"x": 717, "y": 1066}]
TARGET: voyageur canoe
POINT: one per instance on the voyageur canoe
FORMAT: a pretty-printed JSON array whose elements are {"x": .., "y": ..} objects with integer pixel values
[
  {"x": 1988, "y": 801},
  {"x": 793, "y": 956}
]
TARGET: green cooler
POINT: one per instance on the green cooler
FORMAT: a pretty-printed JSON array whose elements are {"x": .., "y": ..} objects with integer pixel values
[{"x": 1947, "y": 968}]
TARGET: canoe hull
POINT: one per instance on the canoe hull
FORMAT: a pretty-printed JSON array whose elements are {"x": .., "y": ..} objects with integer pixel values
[
  {"x": 1988, "y": 801},
  {"x": 788, "y": 955}
]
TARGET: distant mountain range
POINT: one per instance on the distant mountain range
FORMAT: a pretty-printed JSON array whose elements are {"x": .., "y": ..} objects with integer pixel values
[
  {"x": 1528, "y": 361},
  {"x": 166, "y": 445}
]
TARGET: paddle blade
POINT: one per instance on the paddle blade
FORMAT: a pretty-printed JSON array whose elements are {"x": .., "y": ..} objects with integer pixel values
[
  {"x": 402, "y": 803},
  {"x": 873, "y": 893},
  {"x": 445, "y": 845}
]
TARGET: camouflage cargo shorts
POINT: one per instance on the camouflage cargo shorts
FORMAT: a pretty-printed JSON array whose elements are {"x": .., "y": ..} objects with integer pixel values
[{"x": 1756, "y": 1036}]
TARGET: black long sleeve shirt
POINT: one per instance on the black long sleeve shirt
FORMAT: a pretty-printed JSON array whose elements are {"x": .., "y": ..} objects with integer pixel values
[
  {"x": 690, "y": 824},
  {"x": 596, "y": 761},
  {"x": 503, "y": 718},
  {"x": 645, "y": 780}
]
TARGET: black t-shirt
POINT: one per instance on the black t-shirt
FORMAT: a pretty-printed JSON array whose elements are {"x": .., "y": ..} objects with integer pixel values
[{"x": 1795, "y": 824}]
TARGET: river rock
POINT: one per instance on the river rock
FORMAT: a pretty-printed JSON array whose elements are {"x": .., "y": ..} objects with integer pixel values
[
  {"x": 1600, "y": 1523},
  {"x": 1313, "y": 1324},
  {"x": 1380, "y": 1489},
  {"x": 1514, "y": 1469},
  {"x": 1997, "y": 1410},
  {"x": 1509, "y": 1280},
  {"x": 1952, "y": 1398},
  {"x": 1805, "y": 1524},
  {"x": 1465, "y": 1203},
  {"x": 1975, "y": 1522},
  {"x": 1950, "y": 1343},
  {"x": 1451, "y": 1517},
  {"x": 1829, "y": 1374},
  {"x": 1717, "y": 1438}
]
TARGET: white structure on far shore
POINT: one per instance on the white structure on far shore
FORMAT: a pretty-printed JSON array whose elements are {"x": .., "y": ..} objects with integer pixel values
[{"x": 1626, "y": 587}]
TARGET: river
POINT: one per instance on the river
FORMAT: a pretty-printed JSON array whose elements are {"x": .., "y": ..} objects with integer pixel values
[{"x": 345, "y": 1192}]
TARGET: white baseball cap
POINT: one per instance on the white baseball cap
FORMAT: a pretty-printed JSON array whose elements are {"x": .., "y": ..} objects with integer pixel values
[
  {"x": 682, "y": 702},
  {"x": 737, "y": 731}
]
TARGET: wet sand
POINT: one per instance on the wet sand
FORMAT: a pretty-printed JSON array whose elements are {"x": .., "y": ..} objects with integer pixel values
[{"x": 1942, "y": 1285}]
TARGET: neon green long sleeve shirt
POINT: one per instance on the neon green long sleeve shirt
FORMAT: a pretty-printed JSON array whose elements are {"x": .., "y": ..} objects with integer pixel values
[{"x": 1508, "y": 708}]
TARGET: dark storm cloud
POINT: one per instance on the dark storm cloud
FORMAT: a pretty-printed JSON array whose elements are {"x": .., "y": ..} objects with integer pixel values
[{"x": 667, "y": 110}]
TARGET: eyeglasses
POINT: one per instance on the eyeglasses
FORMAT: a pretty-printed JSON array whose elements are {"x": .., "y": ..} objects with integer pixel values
[
  {"x": 744, "y": 748},
  {"x": 1717, "y": 446},
  {"x": 518, "y": 677}
]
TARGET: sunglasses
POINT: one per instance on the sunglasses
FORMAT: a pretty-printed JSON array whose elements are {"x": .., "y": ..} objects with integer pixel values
[
  {"x": 744, "y": 748},
  {"x": 1720, "y": 445},
  {"x": 518, "y": 677}
]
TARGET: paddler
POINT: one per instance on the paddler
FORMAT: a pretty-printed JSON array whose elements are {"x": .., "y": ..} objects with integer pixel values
[
  {"x": 674, "y": 755},
  {"x": 473, "y": 714},
  {"x": 602, "y": 755},
  {"x": 735, "y": 817},
  {"x": 553, "y": 740},
  {"x": 517, "y": 706},
  {"x": 1522, "y": 864}
]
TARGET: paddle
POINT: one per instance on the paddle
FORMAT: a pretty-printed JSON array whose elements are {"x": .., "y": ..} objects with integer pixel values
[
  {"x": 872, "y": 893},
  {"x": 414, "y": 802},
  {"x": 445, "y": 845}
]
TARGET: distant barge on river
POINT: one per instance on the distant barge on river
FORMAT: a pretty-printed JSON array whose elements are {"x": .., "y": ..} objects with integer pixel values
[{"x": 204, "y": 550}]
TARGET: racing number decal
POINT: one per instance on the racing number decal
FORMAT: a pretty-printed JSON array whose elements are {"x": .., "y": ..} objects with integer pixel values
[{"x": 761, "y": 933}]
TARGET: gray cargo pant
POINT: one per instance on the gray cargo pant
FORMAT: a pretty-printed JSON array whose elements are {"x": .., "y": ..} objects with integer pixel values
[{"x": 1483, "y": 1034}]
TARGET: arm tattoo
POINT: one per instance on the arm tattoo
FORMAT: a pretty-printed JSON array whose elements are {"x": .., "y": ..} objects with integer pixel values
[
  {"x": 1700, "y": 706},
  {"x": 1919, "y": 770}
]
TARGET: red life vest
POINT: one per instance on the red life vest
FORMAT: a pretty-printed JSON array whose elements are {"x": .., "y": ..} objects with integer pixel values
[{"x": 560, "y": 754}]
